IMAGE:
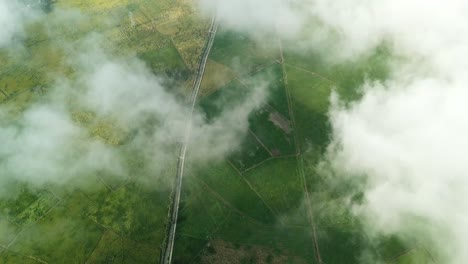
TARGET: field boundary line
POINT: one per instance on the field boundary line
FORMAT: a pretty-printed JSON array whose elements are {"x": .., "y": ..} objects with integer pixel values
[
  {"x": 178, "y": 52},
  {"x": 95, "y": 246},
  {"x": 311, "y": 72},
  {"x": 401, "y": 254},
  {"x": 260, "y": 142},
  {"x": 240, "y": 77},
  {"x": 258, "y": 164},
  {"x": 228, "y": 204},
  {"x": 409, "y": 251},
  {"x": 274, "y": 212},
  {"x": 29, "y": 226},
  {"x": 429, "y": 253},
  {"x": 269, "y": 159},
  {"x": 3, "y": 92},
  {"x": 300, "y": 160},
  {"x": 218, "y": 226},
  {"x": 38, "y": 260}
]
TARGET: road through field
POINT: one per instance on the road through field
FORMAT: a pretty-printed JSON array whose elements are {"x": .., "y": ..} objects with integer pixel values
[{"x": 174, "y": 210}]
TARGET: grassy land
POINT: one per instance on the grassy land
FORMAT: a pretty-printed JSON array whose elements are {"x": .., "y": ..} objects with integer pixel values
[
  {"x": 227, "y": 212},
  {"x": 248, "y": 208},
  {"x": 241, "y": 53},
  {"x": 250, "y": 154},
  {"x": 216, "y": 75},
  {"x": 242, "y": 202},
  {"x": 223, "y": 181},
  {"x": 108, "y": 219},
  {"x": 415, "y": 256},
  {"x": 341, "y": 236},
  {"x": 275, "y": 178},
  {"x": 276, "y": 140}
]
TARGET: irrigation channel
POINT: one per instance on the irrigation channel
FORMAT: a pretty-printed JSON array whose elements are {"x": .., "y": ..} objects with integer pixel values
[{"x": 166, "y": 256}]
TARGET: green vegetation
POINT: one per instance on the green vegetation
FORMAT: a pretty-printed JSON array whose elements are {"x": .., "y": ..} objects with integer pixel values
[
  {"x": 167, "y": 60},
  {"x": 268, "y": 164},
  {"x": 273, "y": 179},
  {"x": 249, "y": 154},
  {"x": 277, "y": 140},
  {"x": 241, "y": 53},
  {"x": 103, "y": 218},
  {"x": 223, "y": 98},
  {"x": 250, "y": 207},
  {"x": 115, "y": 248},
  {"x": 415, "y": 256},
  {"x": 223, "y": 181}
]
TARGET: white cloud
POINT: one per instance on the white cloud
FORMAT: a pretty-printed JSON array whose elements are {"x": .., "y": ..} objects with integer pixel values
[
  {"x": 257, "y": 16},
  {"x": 47, "y": 145},
  {"x": 408, "y": 133},
  {"x": 13, "y": 18}
]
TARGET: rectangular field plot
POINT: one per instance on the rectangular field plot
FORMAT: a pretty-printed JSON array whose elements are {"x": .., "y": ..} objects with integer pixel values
[
  {"x": 200, "y": 212},
  {"x": 151, "y": 9},
  {"x": 278, "y": 183},
  {"x": 28, "y": 206},
  {"x": 390, "y": 247},
  {"x": 219, "y": 251},
  {"x": 134, "y": 212},
  {"x": 142, "y": 39},
  {"x": 113, "y": 248},
  {"x": 17, "y": 81},
  {"x": 225, "y": 183},
  {"x": 274, "y": 136},
  {"x": 188, "y": 249},
  {"x": 291, "y": 241},
  {"x": 415, "y": 256},
  {"x": 216, "y": 76},
  {"x": 71, "y": 236},
  {"x": 342, "y": 245},
  {"x": 165, "y": 60},
  {"x": 13, "y": 257},
  {"x": 347, "y": 77},
  {"x": 309, "y": 89},
  {"x": 250, "y": 154},
  {"x": 331, "y": 213},
  {"x": 313, "y": 129},
  {"x": 8, "y": 231},
  {"x": 241, "y": 53}
]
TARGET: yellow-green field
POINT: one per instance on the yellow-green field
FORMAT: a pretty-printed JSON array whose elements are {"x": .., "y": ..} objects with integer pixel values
[{"x": 110, "y": 219}]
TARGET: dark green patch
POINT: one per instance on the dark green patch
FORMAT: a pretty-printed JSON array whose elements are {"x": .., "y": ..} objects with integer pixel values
[
  {"x": 168, "y": 61},
  {"x": 279, "y": 185},
  {"x": 275, "y": 138},
  {"x": 295, "y": 241},
  {"x": 188, "y": 249},
  {"x": 223, "y": 180},
  {"x": 200, "y": 212},
  {"x": 342, "y": 245}
]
